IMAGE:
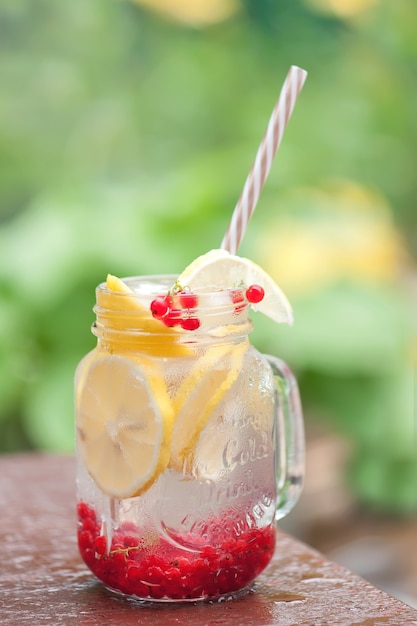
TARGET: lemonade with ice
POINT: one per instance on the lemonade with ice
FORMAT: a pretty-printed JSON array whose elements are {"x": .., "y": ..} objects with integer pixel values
[{"x": 190, "y": 442}]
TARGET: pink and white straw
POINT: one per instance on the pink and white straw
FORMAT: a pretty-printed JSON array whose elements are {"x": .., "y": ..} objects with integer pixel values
[{"x": 260, "y": 169}]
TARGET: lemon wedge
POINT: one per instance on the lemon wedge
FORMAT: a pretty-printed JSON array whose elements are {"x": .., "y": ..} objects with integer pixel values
[
  {"x": 124, "y": 423},
  {"x": 218, "y": 269},
  {"x": 116, "y": 284},
  {"x": 128, "y": 315},
  {"x": 198, "y": 398}
]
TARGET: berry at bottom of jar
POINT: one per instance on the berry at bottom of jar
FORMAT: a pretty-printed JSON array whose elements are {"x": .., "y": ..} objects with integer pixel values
[{"x": 166, "y": 572}]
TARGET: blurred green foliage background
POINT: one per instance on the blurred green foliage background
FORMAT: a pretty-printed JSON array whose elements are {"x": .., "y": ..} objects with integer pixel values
[{"x": 126, "y": 133}]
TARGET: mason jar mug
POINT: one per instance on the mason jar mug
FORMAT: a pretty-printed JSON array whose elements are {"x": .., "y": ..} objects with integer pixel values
[{"x": 189, "y": 445}]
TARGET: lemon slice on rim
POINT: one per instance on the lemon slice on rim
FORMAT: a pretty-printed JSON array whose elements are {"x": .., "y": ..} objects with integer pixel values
[
  {"x": 197, "y": 399},
  {"x": 124, "y": 423},
  {"x": 218, "y": 269}
]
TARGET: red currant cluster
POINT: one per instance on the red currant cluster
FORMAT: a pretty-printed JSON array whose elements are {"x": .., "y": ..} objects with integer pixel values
[
  {"x": 178, "y": 312},
  {"x": 164, "y": 571},
  {"x": 177, "y": 308}
]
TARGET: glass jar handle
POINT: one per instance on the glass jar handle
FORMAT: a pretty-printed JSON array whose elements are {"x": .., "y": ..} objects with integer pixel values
[{"x": 288, "y": 437}]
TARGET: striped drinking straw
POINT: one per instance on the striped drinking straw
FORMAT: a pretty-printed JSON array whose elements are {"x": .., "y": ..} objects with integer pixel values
[{"x": 260, "y": 169}]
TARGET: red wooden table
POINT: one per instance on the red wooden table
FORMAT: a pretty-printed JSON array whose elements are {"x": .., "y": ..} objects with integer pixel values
[{"x": 43, "y": 580}]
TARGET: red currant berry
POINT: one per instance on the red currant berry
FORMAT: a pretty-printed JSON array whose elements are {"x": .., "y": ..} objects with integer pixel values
[
  {"x": 169, "y": 300},
  {"x": 159, "y": 307},
  {"x": 188, "y": 300},
  {"x": 239, "y": 300},
  {"x": 90, "y": 525},
  {"x": 83, "y": 510},
  {"x": 172, "y": 318},
  {"x": 255, "y": 293},
  {"x": 190, "y": 323},
  {"x": 100, "y": 545}
]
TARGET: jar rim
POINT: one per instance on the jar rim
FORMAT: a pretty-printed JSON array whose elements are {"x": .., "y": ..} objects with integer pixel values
[
  {"x": 154, "y": 283},
  {"x": 220, "y": 312},
  {"x": 148, "y": 286}
]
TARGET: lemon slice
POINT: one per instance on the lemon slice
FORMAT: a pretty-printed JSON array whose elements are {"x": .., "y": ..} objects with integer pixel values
[
  {"x": 124, "y": 424},
  {"x": 197, "y": 399},
  {"x": 218, "y": 269},
  {"x": 116, "y": 284},
  {"x": 128, "y": 315}
]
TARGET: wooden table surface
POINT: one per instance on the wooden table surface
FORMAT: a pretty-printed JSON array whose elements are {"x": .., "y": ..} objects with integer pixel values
[{"x": 44, "y": 581}]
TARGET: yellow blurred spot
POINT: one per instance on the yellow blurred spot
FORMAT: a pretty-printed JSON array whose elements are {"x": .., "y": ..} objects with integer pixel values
[
  {"x": 342, "y": 8},
  {"x": 342, "y": 233},
  {"x": 193, "y": 12}
]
